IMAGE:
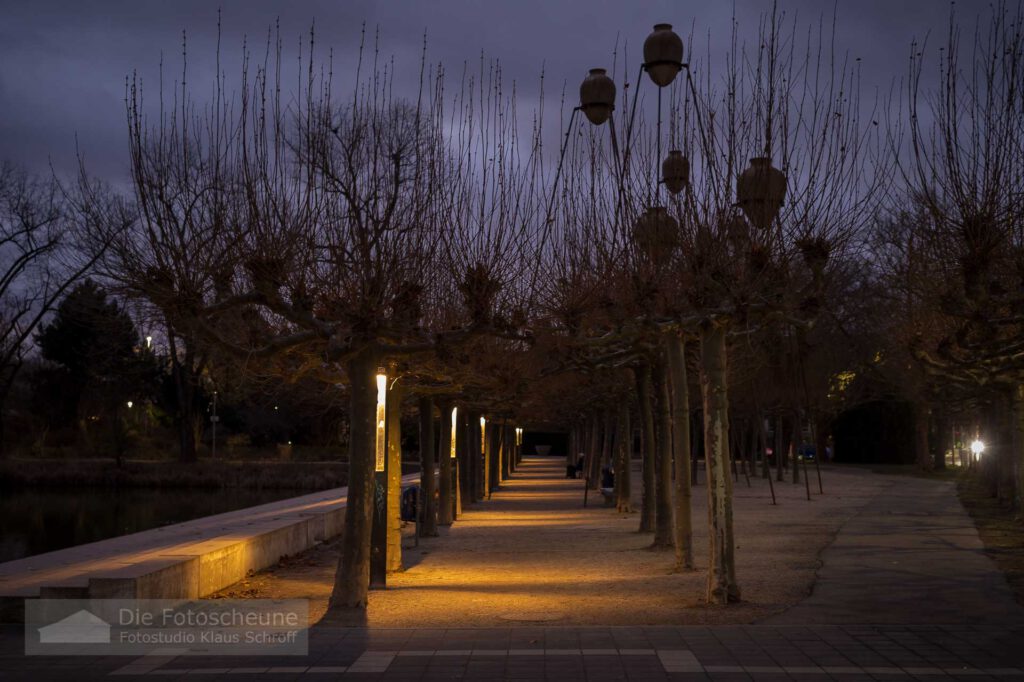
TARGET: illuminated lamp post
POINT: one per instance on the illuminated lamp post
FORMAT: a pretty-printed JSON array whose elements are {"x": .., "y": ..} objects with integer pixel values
[
  {"x": 485, "y": 467},
  {"x": 449, "y": 466},
  {"x": 379, "y": 535}
]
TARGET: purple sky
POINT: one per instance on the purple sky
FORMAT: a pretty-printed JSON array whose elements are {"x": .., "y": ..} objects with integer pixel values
[{"x": 63, "y": 63}]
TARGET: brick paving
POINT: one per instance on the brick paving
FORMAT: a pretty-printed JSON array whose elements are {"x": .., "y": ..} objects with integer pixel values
[{"x": 592, "y": 654}]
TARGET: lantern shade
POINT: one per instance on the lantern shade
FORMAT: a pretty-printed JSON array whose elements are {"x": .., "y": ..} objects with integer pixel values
[
  {"x": 760, "y": 191},
  {"x": 663, "y": 55},
  {"x": 597, "y": 96},
  {"x": 656, "y": 233},
  {"x": 675, "y": 171}
]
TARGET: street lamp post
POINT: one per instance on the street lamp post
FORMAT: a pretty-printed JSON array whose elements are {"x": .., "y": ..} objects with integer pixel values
[{"x": 379, "y": 532}]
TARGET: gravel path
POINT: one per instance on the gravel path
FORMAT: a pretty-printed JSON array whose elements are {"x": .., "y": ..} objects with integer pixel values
[{"x": 532, "y": 554}]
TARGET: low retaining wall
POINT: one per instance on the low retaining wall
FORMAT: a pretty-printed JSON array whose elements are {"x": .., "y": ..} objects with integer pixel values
[{"x": 184, "y": 561}]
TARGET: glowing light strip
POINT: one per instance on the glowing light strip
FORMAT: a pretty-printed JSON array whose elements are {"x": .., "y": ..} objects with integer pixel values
[
  {"x": 382, "y": 396},
  {"x": 455, "y": 411}
]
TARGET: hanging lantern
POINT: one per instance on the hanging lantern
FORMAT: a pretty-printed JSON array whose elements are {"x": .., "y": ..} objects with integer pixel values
[
  {"x": 656, "y": 233},
  {"x": 597, "y": 96},
  {"x": 663, "y": 55},
  {"x": 760, "y": 191},
  {"x": 675, "y": 171}
]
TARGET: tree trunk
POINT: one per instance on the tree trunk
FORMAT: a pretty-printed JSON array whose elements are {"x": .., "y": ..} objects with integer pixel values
[
  {"x": 778, "y": 448},
  {"x": 663, "y": 530},
  {"x": 352, "y": 580},
  {"x": 1018, "y": 446},
  {"x": 942, "y": 436},
  {"x": 428, "y": 467},
  {"x": 681, "y": 452},
  {"x": 722, "y": 586},
  {"x": 593, "y": 452},
  {"x": 607, "y": 451},
  {"x": 485, "y": 457},
  {"x": 647, "y": 443},
  {"x": 446, "y": 457},
  {"x": 493, "y": 461},
  {"x": 762, "y": 441},
  {"x": 184, "y": 389},
  {"x": 508, "y": 451},
  {"x": 464, "y": 454},
  {"x": 922, "y": 455},
  {"x": 623, "y": 460},
  {"x": 394, "y": 425},
  {"x": 795, "y": 442}
]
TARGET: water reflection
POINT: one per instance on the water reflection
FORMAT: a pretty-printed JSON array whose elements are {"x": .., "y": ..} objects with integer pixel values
[{"x": 34, "y": 521}]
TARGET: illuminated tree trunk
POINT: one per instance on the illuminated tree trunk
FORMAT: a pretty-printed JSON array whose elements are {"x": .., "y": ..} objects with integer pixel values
[
  {"x": 647, "y": 496},
  {"x": 623, "y": 446},
  {"x": 476, "y": 463},
  {"x": 464, "y": 495},
  {"x": 394, "y": 424},
  {"x": 428, "y": 465},
  {"x": 446, "y": 492},
  {"x": 352, "y": 580},
  {"x": 507, "y": 451},
  {"x": 722, "y": 586},
  {"x": 676, "y": 352},
  {"x": 663, "y": 531}
]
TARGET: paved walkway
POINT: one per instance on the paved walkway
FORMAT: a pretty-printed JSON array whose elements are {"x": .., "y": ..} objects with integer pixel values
[
  {"x": 912, "y": 556},
  {"x": 941, "y": 611}
]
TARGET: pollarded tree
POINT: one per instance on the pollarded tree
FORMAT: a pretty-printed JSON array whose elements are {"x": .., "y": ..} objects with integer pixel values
[
  {"x": 322, "y": 228},
  {"x": 962, "y": 171},
  {"x": 766, "y": 263}
]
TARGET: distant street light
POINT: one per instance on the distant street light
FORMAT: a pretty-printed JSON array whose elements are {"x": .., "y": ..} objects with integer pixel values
[
  {"x": 977, "y": 447},
  {"x": 149, "y": 342},
  {"x": 130, "y": 403}
]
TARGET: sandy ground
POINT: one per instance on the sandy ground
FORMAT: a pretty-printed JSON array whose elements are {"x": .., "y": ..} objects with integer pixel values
[{"x": 533, "y": 554}]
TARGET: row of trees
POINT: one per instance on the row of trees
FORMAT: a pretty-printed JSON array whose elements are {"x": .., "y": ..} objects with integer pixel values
[{"x": 434, "y": 239}]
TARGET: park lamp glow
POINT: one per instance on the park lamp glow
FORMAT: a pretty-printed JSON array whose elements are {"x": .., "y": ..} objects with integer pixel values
[
  {"x": 382, "y": 396},
  {"x": 130, "y": 403},
  {"x": 455, "y": 412},
  {"x": 977, "y": 447}
]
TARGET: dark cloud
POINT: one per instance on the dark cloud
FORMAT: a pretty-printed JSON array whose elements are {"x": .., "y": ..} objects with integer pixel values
[{"x": 63, "y": 64}]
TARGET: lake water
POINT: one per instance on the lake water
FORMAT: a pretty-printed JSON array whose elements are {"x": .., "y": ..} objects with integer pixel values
[{"x": 40, "y": 520}]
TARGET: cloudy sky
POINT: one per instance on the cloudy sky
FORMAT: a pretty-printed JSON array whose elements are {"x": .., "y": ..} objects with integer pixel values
[{"x": 63, "y": 63}]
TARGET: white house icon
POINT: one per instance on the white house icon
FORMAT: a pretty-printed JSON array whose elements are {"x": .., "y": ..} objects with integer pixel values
[{"x": 81, "y": 627}]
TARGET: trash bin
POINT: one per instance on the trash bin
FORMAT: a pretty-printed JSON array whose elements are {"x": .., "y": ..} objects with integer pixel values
[{"x": 407, "y": 510}]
